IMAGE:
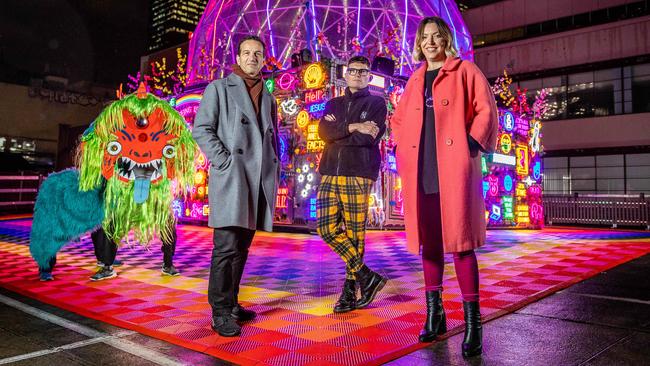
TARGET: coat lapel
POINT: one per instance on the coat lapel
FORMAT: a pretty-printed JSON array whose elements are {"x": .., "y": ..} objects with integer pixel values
[{"x": 239, "y": 94}]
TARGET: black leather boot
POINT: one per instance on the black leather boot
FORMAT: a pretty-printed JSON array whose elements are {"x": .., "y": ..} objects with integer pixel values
[
  {"x": 348, "y": 299},
  {"x": 473, "y": 341},
  {"x": 436, "y": 322},
  {"x": 370, "y": 283}
]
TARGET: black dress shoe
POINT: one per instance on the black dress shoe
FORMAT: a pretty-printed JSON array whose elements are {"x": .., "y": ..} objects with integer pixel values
[
  {"x": 225, "y": 326},
  {"x": 370, "y": 283},
  {"x": 436, "y": 323},
  {"x": 473, "y": 341},
  {"x": 240, "y": 314},
  {"x": 348, "y": 299}
]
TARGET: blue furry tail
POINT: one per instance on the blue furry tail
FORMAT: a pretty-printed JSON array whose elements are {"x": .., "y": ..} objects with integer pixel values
[{"x": 62, "y": 214}]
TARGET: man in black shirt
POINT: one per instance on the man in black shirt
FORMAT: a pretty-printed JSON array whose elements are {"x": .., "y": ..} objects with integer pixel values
[{"x": 351, "y": 129}]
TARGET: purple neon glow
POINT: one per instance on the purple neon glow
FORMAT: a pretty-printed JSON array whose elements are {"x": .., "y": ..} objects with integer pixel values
[
  {"x": 268, "y": 3},
  {"x": 313, "y": 21},
  {"x": 358, "y": 18},
  {"x": 404, "y": 33},
  {"x": 213, "y": 45}
]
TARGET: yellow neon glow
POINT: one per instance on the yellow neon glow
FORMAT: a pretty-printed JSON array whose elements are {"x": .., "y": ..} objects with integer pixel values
[
  {"x": 314, "y": 76},
  {"x": 303, "y": 119},
  {"x": 506, "y": 143}
]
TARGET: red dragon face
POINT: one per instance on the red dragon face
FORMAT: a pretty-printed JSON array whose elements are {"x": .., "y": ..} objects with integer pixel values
[{"x": 141, "y": 149}]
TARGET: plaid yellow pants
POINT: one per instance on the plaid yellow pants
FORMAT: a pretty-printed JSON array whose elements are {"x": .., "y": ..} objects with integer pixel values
[{"x": 342, "y": 205}]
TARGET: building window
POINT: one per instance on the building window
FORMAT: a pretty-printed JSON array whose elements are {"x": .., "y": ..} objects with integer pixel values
[
  {"x": 596, "y": 17},
  {"x": 597, "y": 174},
  {"x": 594, "y": 93},
  {"x": 640, "y": 85},
  {"x": 637, "y": 170}
]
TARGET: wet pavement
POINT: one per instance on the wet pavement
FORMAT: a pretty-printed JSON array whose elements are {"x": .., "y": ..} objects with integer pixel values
[{"x": 604, "y": 320}]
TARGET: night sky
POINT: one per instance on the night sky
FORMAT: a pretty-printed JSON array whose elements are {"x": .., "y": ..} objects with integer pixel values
[
  {"x": 86, "y": 41},
  {"x": 98, "y": 41}
]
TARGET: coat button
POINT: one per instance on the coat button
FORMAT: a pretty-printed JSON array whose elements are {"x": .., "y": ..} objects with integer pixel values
[
  {"x": 240, "y": 151},
  {"x": 445, "y": 102},
  {"x": 270, "y": 130},
  {"x": 244, "y": 121},
  {"x": 275, "y": 160},
  {"x": 449, "y": 142},
  {"x": 414, "y": 146}
]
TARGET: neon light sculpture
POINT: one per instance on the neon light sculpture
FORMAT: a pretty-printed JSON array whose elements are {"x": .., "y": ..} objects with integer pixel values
[
  {"x": 335, "y": 30},
  {"x": 516, "y": 163}
]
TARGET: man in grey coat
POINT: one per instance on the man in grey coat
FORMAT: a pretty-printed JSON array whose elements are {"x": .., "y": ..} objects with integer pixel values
[{"x": 235, "y": 127}]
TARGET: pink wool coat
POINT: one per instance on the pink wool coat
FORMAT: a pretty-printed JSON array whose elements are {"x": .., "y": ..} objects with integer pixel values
[{"x": 463, "y": 104}]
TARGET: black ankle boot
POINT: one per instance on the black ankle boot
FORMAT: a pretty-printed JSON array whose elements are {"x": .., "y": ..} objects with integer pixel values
[
  {"x": 473, "y": 341},
  {"x": 436, "y": 322},
  {"x": 370, "y": 283},
  {"x": 348, "y": 299}
]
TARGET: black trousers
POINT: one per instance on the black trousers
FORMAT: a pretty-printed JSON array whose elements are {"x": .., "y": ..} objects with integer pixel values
[
  {"x": 229, "y": 255},
  {"x": 106, "y": 249}
]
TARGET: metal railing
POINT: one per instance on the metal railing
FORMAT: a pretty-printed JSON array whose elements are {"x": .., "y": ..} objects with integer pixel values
[
  {"x": 18, "y": 192},
  {"x": 606, "y": 210}
]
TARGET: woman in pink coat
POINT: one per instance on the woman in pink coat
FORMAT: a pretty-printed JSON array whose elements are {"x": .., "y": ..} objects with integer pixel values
[{"x": 446, "y": 116}]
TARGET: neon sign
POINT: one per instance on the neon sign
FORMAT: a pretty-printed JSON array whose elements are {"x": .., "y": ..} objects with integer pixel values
[
  {"x": 290, "y": 107},
  {"x": 312, "y": 208},
  {"x": 494, "y": 185},
  {"x": 522, "y": 126},
  {"x": 537, "y": 170},
  {"x": 317, "y": 108},
  {"x": 303, "y": 119},
  {"x": 504, "y": 159},
  {"x": 536, "y": 212},
  {"x": 521, "y": 190},
  {"x": 496, "y": 213},
  {"x": 281, "y": 198},
  {"x": 314, "y": 143},
  {"x": 312, "y": 96},
  {"x": 535, "y": 191},
  {"x": 508, "y": 121},
  {"x": 507, "y": 183},
  {"x": 506, "y": 143},
  {"x": 508, "y": 214},
  {"x": 521, "y": 151},
  {"x": 522, "y": 216},
  {"x": 392, "y": 162},
  {"x": 535, "y": 139},
  {"x": 270, "y": 85},
  {"x": 287, "y": 81},
  {"x": 314, "y": 76}
]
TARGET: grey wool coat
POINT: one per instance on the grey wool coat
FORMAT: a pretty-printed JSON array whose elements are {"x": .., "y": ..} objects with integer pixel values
[{"x": 244, "y": 161}]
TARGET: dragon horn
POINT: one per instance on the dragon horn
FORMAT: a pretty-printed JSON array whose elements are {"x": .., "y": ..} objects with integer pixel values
[{"x": 142, "y": 91}]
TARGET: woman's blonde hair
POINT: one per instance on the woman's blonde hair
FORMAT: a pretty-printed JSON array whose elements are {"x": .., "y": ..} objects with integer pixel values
[{"x": 445, "y": 32}]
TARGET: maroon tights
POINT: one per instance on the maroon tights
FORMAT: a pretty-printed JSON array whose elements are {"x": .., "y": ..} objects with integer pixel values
[{"x": 433, "y": 260}]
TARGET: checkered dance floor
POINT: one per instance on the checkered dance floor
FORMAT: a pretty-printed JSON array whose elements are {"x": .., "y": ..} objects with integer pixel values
[{"x": 293, "y": 280}]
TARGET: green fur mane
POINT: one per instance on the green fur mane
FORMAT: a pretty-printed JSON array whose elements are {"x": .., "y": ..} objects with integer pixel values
[{"x": 122, "y": 214}]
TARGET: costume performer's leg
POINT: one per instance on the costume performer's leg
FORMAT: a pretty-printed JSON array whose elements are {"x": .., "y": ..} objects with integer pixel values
[
  {"x": 169, "y": 249},
  {"x": 105, "y": 248},
  {"x": 45, "y": 274}
]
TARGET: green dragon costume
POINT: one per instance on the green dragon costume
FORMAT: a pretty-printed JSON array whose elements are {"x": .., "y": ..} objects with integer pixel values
[{"x": 131, "y": 160}]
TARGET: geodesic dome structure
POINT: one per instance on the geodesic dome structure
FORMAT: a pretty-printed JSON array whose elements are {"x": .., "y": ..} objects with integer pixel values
[{"x": 334, "y": 29}]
